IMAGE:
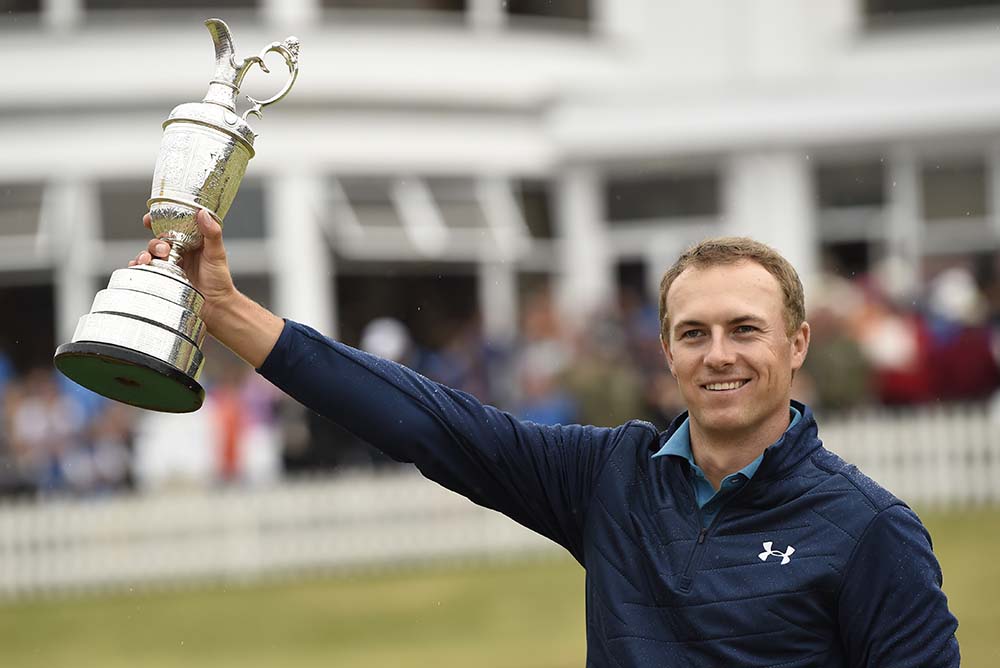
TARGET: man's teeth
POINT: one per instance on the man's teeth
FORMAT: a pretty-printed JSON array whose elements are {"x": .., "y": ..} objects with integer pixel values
[{"x": 726, "y": 386}]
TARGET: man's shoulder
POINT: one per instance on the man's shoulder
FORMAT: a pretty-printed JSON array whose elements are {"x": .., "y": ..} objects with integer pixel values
[{"x": 859, "y": 489}]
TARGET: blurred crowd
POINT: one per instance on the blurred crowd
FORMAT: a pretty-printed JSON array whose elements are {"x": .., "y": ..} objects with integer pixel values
[{"x": 872, "y": 344}]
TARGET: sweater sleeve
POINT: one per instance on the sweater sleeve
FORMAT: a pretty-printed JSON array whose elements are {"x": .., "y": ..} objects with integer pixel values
[
  {"x": 540, "y": 476},
  {"x": 892, "y": 609}
]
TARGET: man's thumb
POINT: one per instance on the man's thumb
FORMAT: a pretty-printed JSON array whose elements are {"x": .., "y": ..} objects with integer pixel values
[{"x": 212, "y": 233}]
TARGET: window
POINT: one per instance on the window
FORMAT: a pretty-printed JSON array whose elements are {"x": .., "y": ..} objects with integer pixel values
[
  {"x": 648, "y": 197},
  {"x": 155, "y": 5},
  {"x": 891, "y": 13},
  {"x": 123, "y": 204},
  {"x": 535, "y": 201},
  {"x": 369, "y": 200},
  {"x": 457, "y": 201},
  {"x": 28, "y": 339},
  {"x": 577, "y": 10},
  {"x": 114, "y": 11},
  {"x": 431, "y": 5},
  {"x": 954, "y": 189},
  {"x": 20, "y": 206},
  {"x": 848, "y": 259},
  {"x": 860, "y": 184},
  {"x": 850, "y": 199},
  {"x": 394, "y": 9},
  {"x": 20, "y": 6},
  {"x": 431, "y": 300}
]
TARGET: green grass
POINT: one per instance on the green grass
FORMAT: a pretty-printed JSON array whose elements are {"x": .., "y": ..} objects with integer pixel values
[
  {"x": 527, "y": 614},
  {"x": 968, "y": 546}
]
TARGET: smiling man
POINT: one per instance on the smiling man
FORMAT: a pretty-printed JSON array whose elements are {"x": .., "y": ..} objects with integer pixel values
[
  {"x": 732, "y": 539},
  {"x": 734, "y": 334}
]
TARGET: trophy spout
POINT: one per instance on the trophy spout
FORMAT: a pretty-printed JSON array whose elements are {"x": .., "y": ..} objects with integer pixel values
[{"x": 225, "y": 84}]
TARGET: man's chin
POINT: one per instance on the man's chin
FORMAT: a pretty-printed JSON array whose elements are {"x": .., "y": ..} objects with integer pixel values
[{"x": 729, "y": 420}]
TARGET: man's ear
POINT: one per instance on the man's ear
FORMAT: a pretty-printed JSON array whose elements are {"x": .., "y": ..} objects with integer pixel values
[
  {"x": 800, "y": 345},
  {"x": 666, "y": 353}
]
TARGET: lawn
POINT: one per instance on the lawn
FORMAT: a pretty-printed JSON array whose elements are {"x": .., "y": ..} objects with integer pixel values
[{"x": 527, "y": 614}]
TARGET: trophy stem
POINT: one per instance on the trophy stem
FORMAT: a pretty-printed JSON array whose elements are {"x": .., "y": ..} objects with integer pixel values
[
  {"x": 174, "y": 257},
  {"x": 171, "y": 265}
]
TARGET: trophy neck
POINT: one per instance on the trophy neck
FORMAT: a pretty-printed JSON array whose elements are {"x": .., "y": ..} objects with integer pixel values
[
  {"x": 222, "y": 94},
  {"x": 180, "y": 244}
]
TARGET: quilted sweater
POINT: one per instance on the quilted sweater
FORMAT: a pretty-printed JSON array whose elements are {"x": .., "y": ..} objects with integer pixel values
[{"x": 809, "y": 564}]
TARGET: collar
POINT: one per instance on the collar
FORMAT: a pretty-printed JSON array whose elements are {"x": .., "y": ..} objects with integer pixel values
[{"x": 678, "y": 438}]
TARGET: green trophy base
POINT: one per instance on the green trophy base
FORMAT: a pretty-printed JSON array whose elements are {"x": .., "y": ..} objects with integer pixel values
[{"x": 129, "y": 376}]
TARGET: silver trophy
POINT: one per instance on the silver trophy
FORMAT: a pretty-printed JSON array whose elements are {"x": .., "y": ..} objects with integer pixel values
[{"x": 141, "y": 342}]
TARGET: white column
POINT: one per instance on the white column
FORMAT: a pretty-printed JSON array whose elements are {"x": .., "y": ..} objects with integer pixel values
[
  {"x": 904, "y": 225},
  {"x": 620, "y": 20},
  {"x": 498, "y": 297},
  {"x": 70, "y": 220},
  {"x": 301, "y": 265},
  {"x": 61, "y": 14},
  {"x": 487, "y": 14},
  {"x": 292, "y": 14},
  {"x": 768, "y": 196},
  {"x": 498, "y": 300},
  {"x": 993, "y": 187},
  {"x": 586, "y": 273}
]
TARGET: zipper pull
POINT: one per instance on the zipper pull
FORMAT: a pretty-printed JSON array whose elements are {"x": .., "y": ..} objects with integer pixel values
[{"x": 701, "y": 536}]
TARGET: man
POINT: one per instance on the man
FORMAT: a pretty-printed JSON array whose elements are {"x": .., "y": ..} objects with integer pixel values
[{"x": 733, "y": 539}]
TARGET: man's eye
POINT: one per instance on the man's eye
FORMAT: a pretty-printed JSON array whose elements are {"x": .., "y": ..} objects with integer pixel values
[
  {"x": 691, "y": 334},
  {"x": 746, "y": 329}
]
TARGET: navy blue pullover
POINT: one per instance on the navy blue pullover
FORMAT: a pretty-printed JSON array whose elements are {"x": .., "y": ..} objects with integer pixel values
[{"x": 860, "y": 588}]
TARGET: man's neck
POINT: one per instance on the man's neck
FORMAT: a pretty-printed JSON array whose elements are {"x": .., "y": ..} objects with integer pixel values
[{"x": 721, "y": 453}]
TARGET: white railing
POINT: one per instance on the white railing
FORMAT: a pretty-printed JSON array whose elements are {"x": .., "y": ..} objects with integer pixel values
[
  {"x": 348, "y": 522},
  {"x": 941, "y": 457}
]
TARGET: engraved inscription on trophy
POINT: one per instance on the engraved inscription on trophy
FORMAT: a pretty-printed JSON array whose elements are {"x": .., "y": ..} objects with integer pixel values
[{"x": 141, "y": 342}]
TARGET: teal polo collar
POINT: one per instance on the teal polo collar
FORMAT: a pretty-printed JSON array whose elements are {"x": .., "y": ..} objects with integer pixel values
[
  {"x": 679, "y": 443},
  {"x": 709, "y": 499}
]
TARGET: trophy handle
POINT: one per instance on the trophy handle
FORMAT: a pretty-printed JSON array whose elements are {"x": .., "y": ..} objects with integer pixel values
[{"x": 289, "y": 49}]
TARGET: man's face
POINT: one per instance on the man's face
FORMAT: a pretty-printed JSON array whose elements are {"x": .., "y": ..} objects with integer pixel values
[{"x": 729, "y": 348}]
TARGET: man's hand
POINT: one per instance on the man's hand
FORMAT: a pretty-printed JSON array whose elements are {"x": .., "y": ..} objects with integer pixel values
[
  {"x": 239, "y": 323},
  {"x": 206, "y": 267}
]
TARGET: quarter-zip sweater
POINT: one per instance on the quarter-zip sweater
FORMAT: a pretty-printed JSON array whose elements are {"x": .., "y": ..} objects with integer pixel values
[{"x": 810, "y": 563}]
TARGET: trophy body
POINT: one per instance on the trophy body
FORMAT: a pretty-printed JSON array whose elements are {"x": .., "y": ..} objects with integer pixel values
[{"x": 141, "y": 342}]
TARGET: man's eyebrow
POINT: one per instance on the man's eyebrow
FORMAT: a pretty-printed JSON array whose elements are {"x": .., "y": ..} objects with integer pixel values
[
  {"x": 687, "y": 323},
  {"x": 740, "y": 319},
  {"x": 745, "y": 318}
]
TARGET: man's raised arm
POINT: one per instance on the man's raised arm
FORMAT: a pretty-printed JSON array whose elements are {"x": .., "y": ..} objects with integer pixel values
[{"x": 540, "y": 476}]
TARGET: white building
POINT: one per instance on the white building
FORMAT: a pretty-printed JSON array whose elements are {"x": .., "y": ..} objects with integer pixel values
[{"x": 494, "y": 143}]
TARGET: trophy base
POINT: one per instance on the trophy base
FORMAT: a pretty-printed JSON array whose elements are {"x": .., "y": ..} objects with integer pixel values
[{"x": 129, "y": 376}]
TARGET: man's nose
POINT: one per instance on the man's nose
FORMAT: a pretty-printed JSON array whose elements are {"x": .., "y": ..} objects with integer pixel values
[{"x": 720, "y": 352}]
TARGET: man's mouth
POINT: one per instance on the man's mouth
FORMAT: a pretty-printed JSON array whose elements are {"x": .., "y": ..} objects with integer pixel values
[{"x": 728, "y": 385}]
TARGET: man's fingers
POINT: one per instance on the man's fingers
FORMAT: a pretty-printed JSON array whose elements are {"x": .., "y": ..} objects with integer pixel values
[
  {"x": 212, "y": 233},
  {"x": 158, "y": 248},
  {"x": 142, "y": 258},
  {"x": 147, "y": 221}
]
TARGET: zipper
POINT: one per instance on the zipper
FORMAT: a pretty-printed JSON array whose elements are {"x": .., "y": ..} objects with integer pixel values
[
  {"x": 686, "y": 579},
  {"x": 702, "y": 533}
]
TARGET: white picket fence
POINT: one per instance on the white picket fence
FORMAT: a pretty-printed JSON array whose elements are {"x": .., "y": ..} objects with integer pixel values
[
  {"x": 931, "y": 457},
  {"x": 938, "y": 458}
]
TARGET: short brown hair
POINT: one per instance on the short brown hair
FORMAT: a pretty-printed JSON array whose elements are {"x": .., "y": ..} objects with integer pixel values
[{"x": 730, "y": 250}]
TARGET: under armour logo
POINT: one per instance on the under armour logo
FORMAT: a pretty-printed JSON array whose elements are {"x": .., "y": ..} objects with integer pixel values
[{"x": 786, "y": 556}]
